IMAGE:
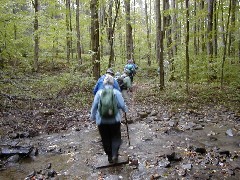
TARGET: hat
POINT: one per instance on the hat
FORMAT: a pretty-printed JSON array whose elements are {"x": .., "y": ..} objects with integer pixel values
[
  {"x": 118, "y": 74},
  {"x": 108, "y": 80},
  {"x": 130, "y": 61},
  {"x": 110, "y": 71}
]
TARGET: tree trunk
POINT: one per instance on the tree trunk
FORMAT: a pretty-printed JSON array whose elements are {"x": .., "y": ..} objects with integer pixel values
[
  {"x": 231, "y": 48},
  {"x": 215, "y": 39},
  {"x": 202, "y": 28},
  {"x": 68, "y": 38},
  {"x": 195, "y": 29},
  {"x": 159, "y": 48},
  {"x": 79, "y": 58},
  {"x": 95, "y": 38},
  {"x": 212, "y": 74},
  {"x": 187, "y": 45},
  {"x": 148, "y": 35},
  {"x": 168, "y": 33},
  {"x": 36, "y": 37},
  {"x": 129, "y": 38},
  {"x": 225, "y": 44},
  {"x": 111, "y": 30}
]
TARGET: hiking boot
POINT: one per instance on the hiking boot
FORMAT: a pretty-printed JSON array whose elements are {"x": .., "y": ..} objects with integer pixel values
[
  {"x": 110, "y": 160},
  {"x": 115, "y": 159}
]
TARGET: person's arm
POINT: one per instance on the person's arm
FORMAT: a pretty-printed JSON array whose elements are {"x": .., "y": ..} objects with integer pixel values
[
  {"x": 94, "y": 108},
  {"x": 120, "y": 100},
  {"x": 116, "y": 85},
  {"x": 98, "y": 85}
]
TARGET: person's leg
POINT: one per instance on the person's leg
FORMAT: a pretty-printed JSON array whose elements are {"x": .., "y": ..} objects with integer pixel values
[
  {"x": 116, "y": 140},
  {"x": 106, "y": 140}
]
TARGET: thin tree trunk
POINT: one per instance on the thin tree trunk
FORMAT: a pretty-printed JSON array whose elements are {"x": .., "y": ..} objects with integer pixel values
[
  {"x": 195, "y": 29},
  {"x": 202, "y": 28},
  {"x": 95, "y": 38},
  {"x": 79, "y": 58},
  {"x": 187, "y": 45},
  {"x": 225, "y": 44},
  {"x": 129, "y": 38},
  {"x": 174, "y": 42},
  {"x": 159, "y": 48},
  {"x": 68, "y": 38},
  {"x": 212, "y": 74},
  {"x": 111, "y": 31},
  {"x": 36, "y": 37},
  {"x": 231, "y": 48},
  {"x": 215, "y": 29},
  {"x": 148, "y": 36}
]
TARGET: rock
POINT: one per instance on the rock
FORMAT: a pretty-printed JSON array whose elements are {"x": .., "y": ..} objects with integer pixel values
[
  {"x": 31, "y": 175},
  {"x": 174, "y": 157},
  {"x": 143, "y": 114},
  {"x": 225, "y": 152},
  {"x": 154, "y": 113},
  {"x": 182, "y": 172},
  {"x": 12, "y": 150},
  {"x": 147, "y": 139},
  {"x": 187, "y": 166},
  {"x": 229, "y": 132},
  {"x": 173, "y": 123},
  {"x": 164, "y": 163},
  {"x": 201, "y": 150},
  {"x": 13, "y": 159},
  {"x": 51, "y": 173},
  {"x": 49, "y": 165},
  {"x": 198, "y": 127}
]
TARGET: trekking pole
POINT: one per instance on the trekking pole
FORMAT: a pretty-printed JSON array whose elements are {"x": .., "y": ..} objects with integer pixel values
[{"x": 125, "y": 114}]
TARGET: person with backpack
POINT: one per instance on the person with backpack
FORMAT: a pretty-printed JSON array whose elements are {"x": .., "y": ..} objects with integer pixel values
[
  {"x": 132, "y": 68},
  {"x": 106, "y": 112},
  {"x": 99, "y": 84},
  {"x": 127, "y": 85}
]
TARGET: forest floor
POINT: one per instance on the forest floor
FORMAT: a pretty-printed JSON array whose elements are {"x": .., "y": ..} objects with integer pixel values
[{"x": 191, "y": 139}]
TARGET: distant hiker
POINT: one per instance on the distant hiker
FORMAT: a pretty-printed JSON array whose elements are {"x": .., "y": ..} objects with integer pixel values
[
  {"x": 127, "y": 84},
  {"x": 106, "y": 112},
  {"x": 119, "y": 78},
  {"x": 99, "y": 84},
  {"x": 132, "y": 68}
]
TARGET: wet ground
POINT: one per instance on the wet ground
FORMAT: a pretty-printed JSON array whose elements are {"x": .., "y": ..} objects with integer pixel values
[{"x": 164, "y": 144}]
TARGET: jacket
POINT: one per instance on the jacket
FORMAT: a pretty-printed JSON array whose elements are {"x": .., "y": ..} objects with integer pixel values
[
  {"x": 99, "y": 85},
  {"x": 95, "y": 115}
]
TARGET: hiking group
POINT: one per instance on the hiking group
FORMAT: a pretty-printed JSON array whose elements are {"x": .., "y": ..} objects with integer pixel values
[{"x": 111, "y": 95}]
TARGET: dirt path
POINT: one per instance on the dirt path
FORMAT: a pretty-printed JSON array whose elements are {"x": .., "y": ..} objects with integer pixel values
[{"x": 166, "y": 142}]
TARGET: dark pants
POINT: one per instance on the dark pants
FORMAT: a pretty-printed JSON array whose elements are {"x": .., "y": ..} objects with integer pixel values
[{"x": 111, "y": 138}]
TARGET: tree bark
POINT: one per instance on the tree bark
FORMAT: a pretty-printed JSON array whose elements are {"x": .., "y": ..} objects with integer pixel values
[
  {"x": 111, "y": 30},
  {"x": 148, "y": 35},
  {"x": 129, "y": 37},
  {"x": 95, "y": 38},
  {"x": 68, "y": 38},
  {"x": 79, "y": 58},
  {"x": 231, "y": 48},
  {"x": 187, "y": 45},
  {"x": 212, "y": 74},
  {"x": 36, "y": 37},
  {"x": 225, "y": 44},
  {"x": 202, "y": 28},
  {"x": 159, "y": 48}
]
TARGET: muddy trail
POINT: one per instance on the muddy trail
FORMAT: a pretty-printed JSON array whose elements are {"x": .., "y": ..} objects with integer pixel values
[{"x": 166, "y": 142}]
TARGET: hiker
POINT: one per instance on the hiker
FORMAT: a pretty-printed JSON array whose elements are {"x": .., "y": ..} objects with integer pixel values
[
  {"x": 107, "y": 118},
  {"x": 127, "y": 84},
  {"x": 119, "y": 78},
  {"x": 132, "y": 68},
  {"x": 99, "y": 84}
]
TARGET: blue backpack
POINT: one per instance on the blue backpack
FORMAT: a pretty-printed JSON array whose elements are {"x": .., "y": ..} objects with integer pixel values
[{"x": 131, "y": 68}]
